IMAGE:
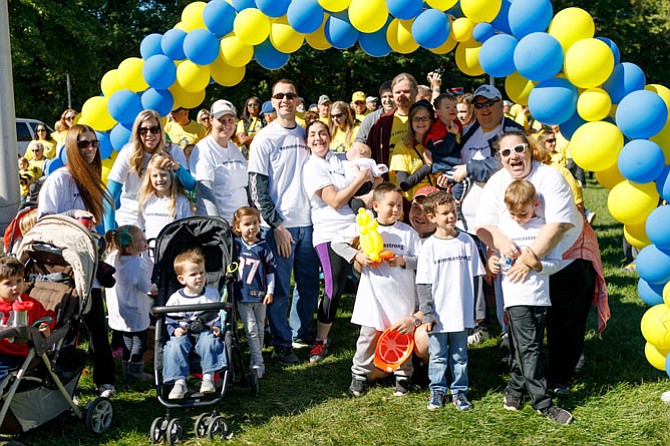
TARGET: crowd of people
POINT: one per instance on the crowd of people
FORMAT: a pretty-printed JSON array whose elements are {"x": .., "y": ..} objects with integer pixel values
[{"x": 471, "y": 199}]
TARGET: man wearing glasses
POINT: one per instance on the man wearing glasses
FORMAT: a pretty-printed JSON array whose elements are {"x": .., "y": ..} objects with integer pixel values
[
  {"x": 182, "y": 130},
  {"x": 277, "y": 157}
]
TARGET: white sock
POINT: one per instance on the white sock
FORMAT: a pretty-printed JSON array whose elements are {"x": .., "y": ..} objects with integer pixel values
[
  {"x": 180, "y": 382},
  {"x": 207, "y": 377}
]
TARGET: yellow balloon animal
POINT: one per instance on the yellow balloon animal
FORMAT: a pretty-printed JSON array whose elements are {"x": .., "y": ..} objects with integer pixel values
[{"x": 371, "y": 242}]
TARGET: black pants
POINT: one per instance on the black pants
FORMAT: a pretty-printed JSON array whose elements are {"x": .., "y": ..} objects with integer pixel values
[
  {"x": 526, "y": 329},
  {"x": 571, "y": 291},
  {"x": 335, "y": 273},
  {"x": 98, "y": 347}
]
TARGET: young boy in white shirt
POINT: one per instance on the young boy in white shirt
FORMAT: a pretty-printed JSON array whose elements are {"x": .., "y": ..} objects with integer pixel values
[
  {"x": 526, "y": 303},
  {"x": 446, "y": 274},
  {"x": 386, "y": 296}
]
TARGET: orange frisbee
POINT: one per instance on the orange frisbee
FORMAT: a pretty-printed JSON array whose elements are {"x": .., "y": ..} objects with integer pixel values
[{"x": 393, "y": 349}]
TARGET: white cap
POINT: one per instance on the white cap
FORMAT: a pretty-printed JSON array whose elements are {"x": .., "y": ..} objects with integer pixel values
[
  {"x": 487, "y": 91},
  {"x": 221, "y": 108}
]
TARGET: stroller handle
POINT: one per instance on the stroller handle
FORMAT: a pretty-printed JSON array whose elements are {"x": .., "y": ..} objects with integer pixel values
[{"x": 199, "y": 307}]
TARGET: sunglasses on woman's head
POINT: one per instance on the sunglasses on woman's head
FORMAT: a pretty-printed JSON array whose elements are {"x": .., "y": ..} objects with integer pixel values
[
  {"x": 279, "y": 96},
  {"x": 507, "y": 151},
  {"x": 155, "y": 130},
  {"x": 85, "y": 143}
]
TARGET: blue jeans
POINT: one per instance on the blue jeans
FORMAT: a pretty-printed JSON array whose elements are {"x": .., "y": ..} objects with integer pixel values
[
  {"x": 448, "y": 351},
  {"x": 304, "y": 264},
  {"x": 9, "y": 363},
  {"x": 175, "y": 355}
]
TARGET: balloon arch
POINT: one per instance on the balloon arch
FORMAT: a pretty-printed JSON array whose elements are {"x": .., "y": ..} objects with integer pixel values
[{"x": 617, "y": 124}]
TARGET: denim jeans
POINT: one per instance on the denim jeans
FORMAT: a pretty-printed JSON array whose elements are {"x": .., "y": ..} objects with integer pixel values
[
  {"x": 448, "y": 351},
  {"x": 175, "y": 355},
  {"x": 253, "y": 318},
  {"x": 304, "y": 264}
]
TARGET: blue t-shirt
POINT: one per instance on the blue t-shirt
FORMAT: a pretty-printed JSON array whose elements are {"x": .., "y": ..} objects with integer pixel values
[{"x": 256, "y": 261}]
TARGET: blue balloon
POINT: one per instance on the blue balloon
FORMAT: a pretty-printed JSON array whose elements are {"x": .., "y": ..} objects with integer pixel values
[
  {"x": 529, "y": 16},
  {"x": 62, "y": 156},
  {"x": 106, "y": 148},
  {"x": 641, "y": 114},
  {"x": 501, "y": 22},
  {"x": 159, "y": 71},
  {"x": 172, "y": 44},
  {"x": 613, "y": 46},
  {"x": 569, "y": 127},
  {"x": 538, "y": 57},
  {"x": 663, "y": 183},
  {"x": 269, "y": 57},
  {"x": 667, "y": 365},
  {"x": 653, "y": 265},
  {"x": 273, "y": 8},
  {"x": 650, "y": 294},
  {"x": 431, "y": 28},
  {"x": 496, "y": 56},
  {"x": 124, "y": 105},
  {"x": 159, "y": 100},
  {"x": 375, "y": 44},
  {"x": 120, "y": 135},
  {"x": 641, "y": 161},
  {"x": 657, "y": 227},
  {"x": 625, "y": 78},
  {"x": 305, "y": 16},
  {"x": 151, "y": 45},
  {"x": 52, "y": 165},
  {"x": 340, "y": 33},
  {"x": 553, "y": 101},
  {"x": 219, "y": 17},
  {"x": 201, "y": 46},
  {"x": 404, "y": 9},
  {"x": 483, "y": 31},
  {"x": 241, "y": 5}
]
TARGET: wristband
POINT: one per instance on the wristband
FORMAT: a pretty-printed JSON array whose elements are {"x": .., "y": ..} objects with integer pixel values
[{"x": 437, "y": 89}]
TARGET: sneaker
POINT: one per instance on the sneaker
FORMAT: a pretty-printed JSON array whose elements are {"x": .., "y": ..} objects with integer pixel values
[
  {"x": 590, "y": 215},
  {"x": 318, "y": 352},
  {"x": 561, "y": 389},
  {"x": 504, "y": 342},
  {"x": 178, "y": 391},
  {"x": 260, "y": 370},
  {"x": 580, "y": 363},
  {"x": 106, "y": 390},
  {"x": 402, "y": 386},
  {"x": 285, "y": 355},
  {"x": 299, "y": 343},
  {"x": 461, "y": 401},
  {"x": 511, "y": 402},
  {"x": 436, "y": 400},
  {"x": 357, "y": 387},
  {"x": 556, "y": 414},
  {"x": 478, "y": 335},
  {"x": 207, "y": 384}
]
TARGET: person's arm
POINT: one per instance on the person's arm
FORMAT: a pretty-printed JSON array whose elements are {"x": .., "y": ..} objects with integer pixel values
[
  {"x": 481, "y": 170},
  {"x": 206, "y": 200},
  {"x": 259, "y": 191},
  {"x": 114, "y": 189},
  {"x": 185, "y": 178},
  {"x": 407, "y": 181},
  {"x": 336, "y": 199},
  {"x": 496, "y": 240},
  {"x": 426, "y": 303}
]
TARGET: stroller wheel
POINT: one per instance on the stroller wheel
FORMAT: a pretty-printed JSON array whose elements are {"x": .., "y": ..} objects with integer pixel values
[
  {"x": 201, "y": 425},
  {"x": 174, "y": 431},
  {"x": 99, "y": 415},
  {"x": 218, "y": 429},
  {"x": 253, "y": 382},
  {"x": 157, "y": 429}
]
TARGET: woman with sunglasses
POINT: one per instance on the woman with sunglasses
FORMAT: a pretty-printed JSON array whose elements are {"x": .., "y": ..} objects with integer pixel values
[
  {"x": 63, "y": 125},
  {"x": 343, "y": 128},
  {"x": 204, "y": 119},
  {"x": 77, "y": 190},
  {"x": 580, "y": 282},
  {"x": 125, "y": 178},
  {"x": 249, "y": 124},
  {"x": 42, "y": 136}
]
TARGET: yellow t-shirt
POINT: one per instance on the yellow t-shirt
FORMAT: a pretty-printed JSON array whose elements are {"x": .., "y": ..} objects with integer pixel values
[
  {"x": 575, "y": 187},
  {"x": 339, "y": 144},
  {"x": 184, "y": 135},
  {"x": 49, "y": 149},
  {"x": 37, "y": 167},
  {"x": 254, "y": 126},
  {"x": 300, "y": 119},
  {"x": 406, "y": 159}
]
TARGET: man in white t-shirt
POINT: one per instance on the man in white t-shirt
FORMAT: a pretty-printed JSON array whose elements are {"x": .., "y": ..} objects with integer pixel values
[{"x": 277, "y": 157}]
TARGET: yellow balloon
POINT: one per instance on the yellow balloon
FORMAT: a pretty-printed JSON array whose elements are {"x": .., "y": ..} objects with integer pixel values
[
  {"x": 518, "y": 88},
  {"x": 631, "y": 203},
  {"x": 186, "y": 99},
  {"x": 636, "y": 235},
  {"x": 666, "y": 294},
  {"x": 462, "y": 29},
  {"x": 181, "y": 25},
  {"x": 130, "y": 74},
  {"x": 655, "y": 326},
  {"x": 467, "y": 58},
  {"x": 334, "y": 5},
  {"x": 662, "y": 91},
  {"x": 284, "y": 38},
  {"x": 610, "y": 177},
  {"x": 94, "y": 113},
  {"x": 192, "y": 77},
  {"x": 596, "y": 145},
  {"x": 399, "y": 36},
  {"x": 481, "y": 10},
  {"x": 662, "y": 138},
  {"x": 368, "y": 16},
  {"x": 107, "y": 165},
  {"x": 446, "y": 47},
  {"x": 588, "y": 63},
  {"x": 594, "y": 104},
  {"x": 109, "y": 84},
  {"x": 317, "y": 39},
  {"x": 442, "y": 5},
  {"x": 224, "y": 74},
  {"x": 252, "y": 26},
  {"x": 191, "y": 16},
  {"x": 571, "y": 25},
  {"x": 234, "y": 52},
  {"x": 655, "y": 357}
]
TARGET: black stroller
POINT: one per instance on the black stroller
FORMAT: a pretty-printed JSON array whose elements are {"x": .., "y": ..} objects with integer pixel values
[
  {"x": 60, "y": 256},
  {"x": 214, "y": 237}
]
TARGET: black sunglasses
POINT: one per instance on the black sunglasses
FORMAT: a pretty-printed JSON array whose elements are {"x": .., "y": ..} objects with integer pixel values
[
  {"x": 507, "y": 151},
  {"x": 336, "y": 115},
  {"x": 489, "y": 103},
  {"x": 281, "y": 95},
  {"x": 85, "y": 143},
  {"x": 253, "y": 104},
  {"x": 155, "y": 130},
  {"x": 550, "y": 141}
]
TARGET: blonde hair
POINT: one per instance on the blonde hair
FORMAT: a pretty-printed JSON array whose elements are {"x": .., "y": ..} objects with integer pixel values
[
  {"x": 137, "y": 157},
  {"x": 519, "y": 194},
  {"x": 194, "y": 256},
  {"x": 147, "y": 189},
  {"x": 244, "y": 211},
  {"x": 28, "y": 221},
  {"x": 122, "y": 239}
]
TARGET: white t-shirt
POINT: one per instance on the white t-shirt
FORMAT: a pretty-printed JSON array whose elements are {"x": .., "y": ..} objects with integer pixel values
[
  {"x": 477, "y": 147},
  {"x": 327, "y": 221},
  {"x": 450, "y": 266},
  {"x": 281, "y": 154},
  {"x": 556, "y": 202},
  {"x": 59, "y": 194},
  {"x": 226, "y": 168},
  {"x": 127, "y": 212},
  {"x": 128, "y": 305},
  {"x": 387, "y": 294},
  {"x": 155, "y": 214},
  {"x": 208, "y": 295}
]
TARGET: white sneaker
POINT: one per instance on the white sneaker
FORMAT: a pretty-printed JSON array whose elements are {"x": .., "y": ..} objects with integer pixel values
[
  {"x": 260, "y": 370},
  {"x": 178, "y": 391},
  {"x": 207, "y": 385},
  {"x": 106, "y": 390}
]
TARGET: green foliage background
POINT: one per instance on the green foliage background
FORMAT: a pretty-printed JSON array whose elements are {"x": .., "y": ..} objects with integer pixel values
[{"x": 87, "y": 38}]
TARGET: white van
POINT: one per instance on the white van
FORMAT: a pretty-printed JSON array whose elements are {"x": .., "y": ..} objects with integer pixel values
[{"x": 25, "y": 132}]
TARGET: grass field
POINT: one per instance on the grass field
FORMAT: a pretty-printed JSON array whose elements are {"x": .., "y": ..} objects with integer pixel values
[{"x": 615, "y": 400}]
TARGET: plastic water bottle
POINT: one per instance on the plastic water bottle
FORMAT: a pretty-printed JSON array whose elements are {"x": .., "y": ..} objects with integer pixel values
[{"x": 506, "y": 264}]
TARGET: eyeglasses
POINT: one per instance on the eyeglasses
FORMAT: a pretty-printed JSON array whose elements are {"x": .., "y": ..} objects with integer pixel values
[
  {"x": 550, "y": 141},
  {"x": 253, "y": 104},
  {"x": 155, "y": 130},
  {"x": 489, "y": 103},
  {"x": 37, "y": 149},
  {"x": 336, "y": 115},
  {"x": 85, "y": 144},
  {"x": 421, "y": 119},
  {"x": 205, "y": 118},
  {"x": 41, "y": 130},
  {"x": 281, "y": 95},
  {"x": 507, "y": 151},
  {"x": 69, "y": 118},
  {"x": 359, "y": 102}
]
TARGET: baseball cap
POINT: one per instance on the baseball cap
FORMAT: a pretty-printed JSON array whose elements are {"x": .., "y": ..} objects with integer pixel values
[
  {"x": 370, "y": 99},
  {"x": 425, "y": 191},
  {"x": 221, "y": 108},
  {"x": 508, "y": 103},
  {"x": 487, "y": 91},
  {"x": 267, "y": 108},
  {"x": 323, "y": 99},
  {"x": 358, "y": 96}
]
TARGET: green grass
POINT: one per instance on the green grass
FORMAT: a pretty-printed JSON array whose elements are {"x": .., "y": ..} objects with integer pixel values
[{"x": 616, "y": 397}]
